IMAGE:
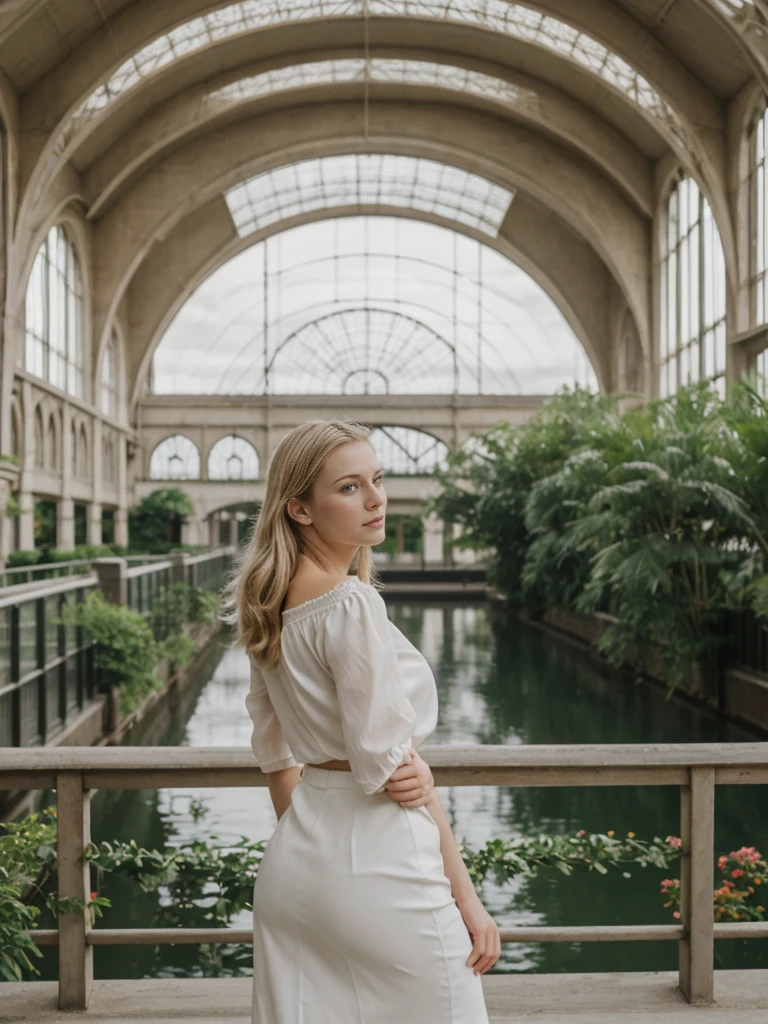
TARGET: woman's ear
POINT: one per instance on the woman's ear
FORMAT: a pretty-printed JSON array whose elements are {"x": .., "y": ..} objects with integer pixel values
[{"x": 298, "y": 512}]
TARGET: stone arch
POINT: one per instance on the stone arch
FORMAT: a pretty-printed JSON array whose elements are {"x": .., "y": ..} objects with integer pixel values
[
  {"x": 40, "y": 438},
  {"x": 230, "y": 453}
]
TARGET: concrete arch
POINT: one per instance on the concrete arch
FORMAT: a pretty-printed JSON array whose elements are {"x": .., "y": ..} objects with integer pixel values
[
  {"x": 563, "y": 265},
  {"x": 148, "y": 135},
  {"x": 48, "y": 103},
  {"x": 590, "y": 205}
]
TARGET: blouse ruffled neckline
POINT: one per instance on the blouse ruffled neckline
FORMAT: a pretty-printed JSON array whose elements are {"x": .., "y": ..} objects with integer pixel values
[{"x": 316, "y": 603}]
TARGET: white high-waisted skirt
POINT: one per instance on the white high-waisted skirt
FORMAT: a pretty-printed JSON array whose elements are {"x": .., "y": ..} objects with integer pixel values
[{"x": 353, "y": 917}]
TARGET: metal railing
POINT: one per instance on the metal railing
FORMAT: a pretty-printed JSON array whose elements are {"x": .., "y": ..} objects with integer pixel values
[
  {"x": 695, "y": 769},
  {"x": 47, "y": 671},
  {"x": 46, "y": 667},
  {"x": 52, "y": 570}
]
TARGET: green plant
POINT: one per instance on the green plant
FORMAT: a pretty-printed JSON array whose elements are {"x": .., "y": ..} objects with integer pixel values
[
  {"x": 155, "y": 522},
  {"x": 22, "y": 558},
  {"x": 12, "y": 506},
  {"x": 177, "y": 649},
  {"x": 125, "y": 651},
  {"x": 27, "y": 872}
]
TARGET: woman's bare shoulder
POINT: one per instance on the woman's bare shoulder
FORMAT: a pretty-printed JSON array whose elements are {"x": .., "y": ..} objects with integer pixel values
[{"x": 306, "y": 587}]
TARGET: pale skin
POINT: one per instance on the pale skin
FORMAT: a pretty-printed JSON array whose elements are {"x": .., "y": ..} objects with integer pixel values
[{"x": 347, "y": 495}]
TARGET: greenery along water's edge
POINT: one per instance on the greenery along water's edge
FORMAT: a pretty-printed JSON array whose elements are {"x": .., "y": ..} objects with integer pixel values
[
  {"x": 657, "y": 516},
  {"x": 128, "y": 646},
  {"x": 206, "y": 884}
]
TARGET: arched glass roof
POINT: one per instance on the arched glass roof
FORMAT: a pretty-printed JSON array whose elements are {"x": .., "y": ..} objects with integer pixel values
[
  {"x": 364, "y": 299},
  {"x": 357, "y": 69},
  {"x": 368, "y": 179},
  {"x": 508, "y": 18}
]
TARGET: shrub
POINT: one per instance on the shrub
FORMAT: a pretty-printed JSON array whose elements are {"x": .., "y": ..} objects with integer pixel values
[{"x": 125, "y": 651}]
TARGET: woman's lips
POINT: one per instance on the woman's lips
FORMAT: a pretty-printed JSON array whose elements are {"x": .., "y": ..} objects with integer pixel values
[{"x": 375, "y": 522}]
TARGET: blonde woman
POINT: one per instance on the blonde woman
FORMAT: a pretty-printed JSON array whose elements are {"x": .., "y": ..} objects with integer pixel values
[{"x": 363, "y": 910}]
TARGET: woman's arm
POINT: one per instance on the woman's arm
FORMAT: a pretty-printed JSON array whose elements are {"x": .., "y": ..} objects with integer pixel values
[
  {"x": 486, "y": 942},
  {"x": 281, "y": 786}
]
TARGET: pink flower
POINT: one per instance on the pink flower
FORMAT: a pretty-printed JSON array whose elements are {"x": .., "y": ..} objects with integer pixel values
[
  {"x": 737, "y": 873},
  {"x": 675, "y": 841},
  {"x": 722, "y": 862},
  {"x": 676, "y": 915}
]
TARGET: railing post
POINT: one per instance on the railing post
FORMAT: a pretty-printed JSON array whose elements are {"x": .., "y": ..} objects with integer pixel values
[
  {"x": 74, "y": 834},
  {"x": 112, "y": 579},
  {"x": 178, "y": 566},
  {"x": 697, "y": 831}
]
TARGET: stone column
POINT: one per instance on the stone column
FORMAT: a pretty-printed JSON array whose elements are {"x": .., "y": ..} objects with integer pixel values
[
  {"x": 94, "y": 522},
  {"x": 112, "y": 578},
  {"x": 26, "y": 495},
  {"x": 466, "y": 556},
  {"x": 233, "y": 531},
  {"x": 433, "y": 539},
  {"x": 65, "y": 523},
  {"x": 121, "y": 512},
  {"x": 121, "y": 527},
  {"x": 65, "y": 507}
]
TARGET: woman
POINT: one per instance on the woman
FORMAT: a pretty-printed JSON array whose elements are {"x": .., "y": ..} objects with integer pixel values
[{"x": 363, "y": 910}]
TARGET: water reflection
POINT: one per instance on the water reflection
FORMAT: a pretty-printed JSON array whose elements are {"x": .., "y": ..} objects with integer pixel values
[{"x": 499, "y": 682}]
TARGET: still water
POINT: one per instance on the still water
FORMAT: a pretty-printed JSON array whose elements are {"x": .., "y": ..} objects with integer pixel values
[{"x": 499, "y": 682}]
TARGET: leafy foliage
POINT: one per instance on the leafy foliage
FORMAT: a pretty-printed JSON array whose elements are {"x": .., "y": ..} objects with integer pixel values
[
  {"x": 657, "y": 516},
  {"x": 206, "y": 883},
  {"x": 154, "y": 524}
]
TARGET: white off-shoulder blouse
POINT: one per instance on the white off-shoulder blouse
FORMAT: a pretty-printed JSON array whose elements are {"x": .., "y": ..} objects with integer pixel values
[{"x": 349, "y": 686}]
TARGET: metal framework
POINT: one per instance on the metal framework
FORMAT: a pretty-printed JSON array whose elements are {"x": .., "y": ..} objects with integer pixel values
[
  {"x": 692, "y": 292},
  {"x": 175, "y": 458},
  {"x": 356, "y": 302},
  {"x": 53, "y": 346},
  {"x": 403, "y": 451},
  {"x": 512, "y": 19},
  {"x": 757, "y": 188},
  {"x": 233, "y": 458},
  {"x": 368, "y": 179}
]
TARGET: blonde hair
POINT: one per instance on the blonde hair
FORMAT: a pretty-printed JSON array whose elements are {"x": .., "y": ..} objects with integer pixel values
[{"x": 254, "y": 594}]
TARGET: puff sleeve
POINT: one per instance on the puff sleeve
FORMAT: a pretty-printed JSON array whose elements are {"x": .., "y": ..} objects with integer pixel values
[
  {"x": 377, "y": 719},
  {"x": 271, "y": 750}
]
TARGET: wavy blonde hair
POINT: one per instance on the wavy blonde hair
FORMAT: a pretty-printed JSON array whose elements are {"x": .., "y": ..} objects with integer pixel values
[{"x": 255, "y": 591}]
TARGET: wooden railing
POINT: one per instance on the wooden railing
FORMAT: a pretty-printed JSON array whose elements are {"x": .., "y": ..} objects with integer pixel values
[{"x": 75, "y": 772}]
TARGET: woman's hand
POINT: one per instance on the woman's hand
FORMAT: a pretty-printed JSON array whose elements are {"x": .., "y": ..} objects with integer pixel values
[
  {"x": 486, "y": 943},
  {"x": 411, "y": 785}
]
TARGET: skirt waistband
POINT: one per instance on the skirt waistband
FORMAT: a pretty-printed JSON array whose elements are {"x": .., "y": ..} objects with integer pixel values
[{"x": 329, "y": 778}]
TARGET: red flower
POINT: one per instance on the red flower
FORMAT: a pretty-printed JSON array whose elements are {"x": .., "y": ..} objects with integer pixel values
[
  {"x": 737, "y": 873},
  {"x": 94, "y": 895}
]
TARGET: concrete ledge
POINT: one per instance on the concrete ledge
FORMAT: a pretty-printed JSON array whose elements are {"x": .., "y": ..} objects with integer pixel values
[{"x": 627, "y": 998}]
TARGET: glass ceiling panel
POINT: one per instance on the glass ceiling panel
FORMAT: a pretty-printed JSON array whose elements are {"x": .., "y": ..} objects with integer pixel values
[
  {"x": 368, "y": 179},
  {"x": 367, "y": 303},
  {"x": 408, "y": 72},
  {"x": 513, "y": 19}
]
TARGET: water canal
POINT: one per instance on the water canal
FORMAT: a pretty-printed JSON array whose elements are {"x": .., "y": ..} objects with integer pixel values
[{"x": 499, "y": 682}]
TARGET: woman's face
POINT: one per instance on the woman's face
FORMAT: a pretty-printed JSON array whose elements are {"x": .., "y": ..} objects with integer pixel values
[{"x": 348, "y": 497}]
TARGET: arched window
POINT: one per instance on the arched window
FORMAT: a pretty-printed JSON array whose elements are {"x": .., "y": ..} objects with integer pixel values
[
  {"x": 175, "y": 458},
  {"x": 758, "y": 217},
  {"x": 54, "y": 315},
  {"x": 233, "y": 458},
  {"x": 692, "y": 292},
  {"x": 75, "y": 453},
  {"x": 52, "y": 447},
  {"x": 108, "y": 467},
  {"x": 108, "y": 389}
]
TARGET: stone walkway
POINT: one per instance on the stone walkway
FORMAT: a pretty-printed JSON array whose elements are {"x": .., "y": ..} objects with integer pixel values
[{"x": 642, "y": 998}]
